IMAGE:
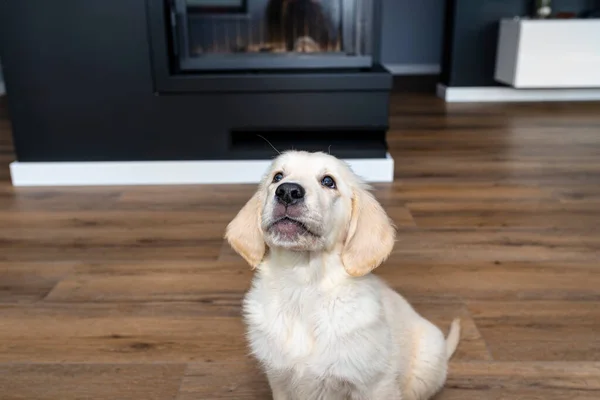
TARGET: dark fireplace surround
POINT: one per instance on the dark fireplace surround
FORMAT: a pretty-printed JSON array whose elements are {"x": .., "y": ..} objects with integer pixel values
[{"x": 133, "y": 80}]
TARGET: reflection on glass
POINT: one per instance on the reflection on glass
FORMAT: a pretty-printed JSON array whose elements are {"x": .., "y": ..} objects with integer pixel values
[{"x": 279, "y": 27}]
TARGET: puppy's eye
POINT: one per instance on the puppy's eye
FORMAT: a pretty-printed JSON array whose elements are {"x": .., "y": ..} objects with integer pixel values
[
  {"x": 328, "y": 181},
  {"x": 278, "y": 176}
]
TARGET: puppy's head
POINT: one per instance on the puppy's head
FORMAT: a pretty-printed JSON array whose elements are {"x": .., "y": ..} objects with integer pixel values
[{"x": 313, "y": 202}]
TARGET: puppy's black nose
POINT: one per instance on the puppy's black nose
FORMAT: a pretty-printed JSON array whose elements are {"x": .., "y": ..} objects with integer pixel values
[{"x": 289, "y": 193}]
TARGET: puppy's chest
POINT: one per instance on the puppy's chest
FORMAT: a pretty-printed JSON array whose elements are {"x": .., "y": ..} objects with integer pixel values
[
  {"x": 306, "y": 330},
  {"x": 297, "y": 322},
  {"x": 295, "y": 325}
]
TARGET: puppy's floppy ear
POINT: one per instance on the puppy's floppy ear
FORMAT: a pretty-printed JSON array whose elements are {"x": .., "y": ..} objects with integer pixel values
[
  {"x": 371, "y": 235},
  {"x": 244, "y": 233}
]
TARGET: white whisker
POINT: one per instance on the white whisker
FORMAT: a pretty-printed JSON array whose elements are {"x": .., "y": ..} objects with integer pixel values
[{"x": 270, "y": 144}]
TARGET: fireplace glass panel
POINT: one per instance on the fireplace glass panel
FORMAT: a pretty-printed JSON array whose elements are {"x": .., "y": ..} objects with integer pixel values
[{"x": 272, "y": 34}]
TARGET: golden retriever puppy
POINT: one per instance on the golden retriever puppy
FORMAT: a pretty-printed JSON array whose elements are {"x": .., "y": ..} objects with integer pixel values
[{"x": 321, "y": 325}]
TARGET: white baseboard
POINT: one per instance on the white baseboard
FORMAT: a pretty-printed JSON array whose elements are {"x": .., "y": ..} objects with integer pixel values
[
  {"x": 413, "y": 69},
  {"x": 506, "y": 94},
  {"x": 169, "y": 172}
]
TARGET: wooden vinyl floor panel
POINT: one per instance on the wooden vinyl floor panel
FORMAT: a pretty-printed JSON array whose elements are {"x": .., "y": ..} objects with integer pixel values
[
  {"x": 131, "y": 293},
  {"x": 90, "y": 381}
]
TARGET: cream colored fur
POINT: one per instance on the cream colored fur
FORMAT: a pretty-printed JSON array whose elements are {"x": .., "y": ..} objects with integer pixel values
[{"x": 322, "y": 326}]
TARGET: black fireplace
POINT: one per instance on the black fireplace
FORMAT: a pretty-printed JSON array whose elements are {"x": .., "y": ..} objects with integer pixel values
[
  {"x": 118, "y": 80},
  {"x": 271, "y": 34}
]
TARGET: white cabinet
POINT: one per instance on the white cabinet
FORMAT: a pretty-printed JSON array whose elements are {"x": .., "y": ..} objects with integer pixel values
[{"x": 549, "y": 53}]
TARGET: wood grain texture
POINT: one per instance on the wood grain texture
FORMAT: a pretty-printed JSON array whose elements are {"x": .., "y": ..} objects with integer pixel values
[
  {"x": 540, "y": 330},
  {"x": 494, "y": 244},
  {"x": 235, "y": 380},
  {"x": 522, "y": 381},
  {"x": 28, "y": 282},
  {"x": 90, "y": 381},
  {"x": 507, "y": 214},
  {"x": 200, "y": 281},
  {"x": 131, "y": 292},
  {"x": 120, "y": 333},
  {"x": 496, "y": 280}
]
